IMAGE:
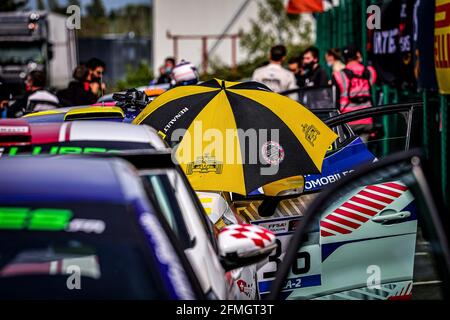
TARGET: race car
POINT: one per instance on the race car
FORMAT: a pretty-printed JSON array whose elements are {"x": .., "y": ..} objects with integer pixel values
[
  {"x": 381, "y": 237},
  {"x": 85, "y": 229},
  {"x": 205, "y": 246},
  {"x": 204, "y": 164},
  {"x": 17, "y": 136},
  {"x": 105, "y": 113},
  {"x": 90, "y": 137},
  {"x": 345, "y": 155}
]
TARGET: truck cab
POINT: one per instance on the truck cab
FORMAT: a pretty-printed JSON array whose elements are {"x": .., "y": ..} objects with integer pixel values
[{"x": 36, "y": 40}]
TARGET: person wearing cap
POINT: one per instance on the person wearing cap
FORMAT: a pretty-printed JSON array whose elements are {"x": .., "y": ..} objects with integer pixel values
[
  {"x": 184, "y": 74},
  {"x": 354, "y": 83}
]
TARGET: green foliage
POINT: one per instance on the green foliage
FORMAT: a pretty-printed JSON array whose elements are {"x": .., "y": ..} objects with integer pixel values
[
  {"x": 225, "y": 72},
  {"x": 273, "y": 26},
  {"x": 96, "y": 9},
  {"x": 12, "y": 5},
  {"x": 136, "y": 76},
  {"x": 54, "y": 6},
  {"x": 130, "y": 18},
  {"x": 40, "y": 5}
]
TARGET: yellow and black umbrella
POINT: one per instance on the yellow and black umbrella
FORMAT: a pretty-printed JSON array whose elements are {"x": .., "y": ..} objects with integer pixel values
[{"x": 238, "y": 136}]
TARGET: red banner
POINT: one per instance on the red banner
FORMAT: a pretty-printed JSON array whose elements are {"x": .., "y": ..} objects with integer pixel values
[{"x": 304, "y": 6}]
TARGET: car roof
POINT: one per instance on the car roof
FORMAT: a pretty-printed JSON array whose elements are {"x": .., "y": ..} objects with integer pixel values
[
  {"x": 42, "y": 133},
  {"x": 45, "y": 179}
]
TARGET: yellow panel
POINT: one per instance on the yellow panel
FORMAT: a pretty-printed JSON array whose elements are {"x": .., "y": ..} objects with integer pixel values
[
  {"x": 202, "y": 152},
  {"x": 313, "y": 134},
  {"x": 172, "y": 94},
  {"x": 43, "y": 113}
]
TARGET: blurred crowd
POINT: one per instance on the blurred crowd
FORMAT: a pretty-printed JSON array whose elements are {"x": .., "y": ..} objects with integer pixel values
[
  {"x": 85, "y": 88},
  {"x": 348, "y": 74},
  {"x": 352, "y": 79}
]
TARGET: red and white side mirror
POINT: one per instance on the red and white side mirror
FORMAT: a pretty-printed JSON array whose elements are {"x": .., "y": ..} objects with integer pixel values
[{"x": 244, "y": 244}]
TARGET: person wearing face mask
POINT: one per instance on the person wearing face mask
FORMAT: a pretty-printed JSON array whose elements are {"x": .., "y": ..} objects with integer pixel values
[
  {"x": 96, "y": 70},
  {"x": 314, "y": 75},
  {"x": 166, "y": 71},
  {"x": 334, "y": 60}
]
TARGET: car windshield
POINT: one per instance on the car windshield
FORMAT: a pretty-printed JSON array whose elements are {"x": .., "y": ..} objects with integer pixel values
[
  {"x": 76, "y": 251},
  {"x": 20, "y": 54}
]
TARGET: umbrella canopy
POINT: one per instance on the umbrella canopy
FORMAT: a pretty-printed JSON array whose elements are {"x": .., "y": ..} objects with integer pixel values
[{"x": 238, "y": 136}]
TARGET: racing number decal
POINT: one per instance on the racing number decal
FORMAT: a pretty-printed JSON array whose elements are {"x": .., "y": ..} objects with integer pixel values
[
  {"x": 276, "y": 259},
  {"x": 296, "y": 270},
  {"x": 38, "y": 219},
  {"x": 307, "y": 265}
]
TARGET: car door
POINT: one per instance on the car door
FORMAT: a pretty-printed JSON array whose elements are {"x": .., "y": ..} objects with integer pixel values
[
  {"x": 396, "y": 128},
  {"x": 173, "y": 196},
  {"x": 399, "y": 251}
]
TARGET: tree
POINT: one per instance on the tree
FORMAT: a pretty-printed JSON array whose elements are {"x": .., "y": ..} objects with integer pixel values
[
  {"x": 12, "y": 5},
  {"x": 135, "y": 77},
  {"x": 96, "y": 9},
  {"x": 40, "y": 5},
  {"x": 274, "y": 26},
  {"x": 54, "y": 6},
  {"x": 74, "y": 3}
]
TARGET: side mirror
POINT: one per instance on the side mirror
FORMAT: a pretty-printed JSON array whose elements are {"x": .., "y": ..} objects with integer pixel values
[{"x": 241, "y": 245}]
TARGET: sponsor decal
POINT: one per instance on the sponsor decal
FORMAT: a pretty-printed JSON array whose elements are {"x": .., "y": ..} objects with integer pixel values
[
  {"x": 204, "y": 164},
  {"x": 166, "y": 256},
  {"x": 10, "y": 129},
  {"x": 323, "y": 181},
  {"x": 272, "y": 152},
  {"x": 311, "y": 133},
  {"x": 276, "y": 227},
  {"x": 357, "y": 210},
  {"x": 45, "y": 219},
  {"x": 175, "y": 119},
  {"x": 56, "y": 150}
]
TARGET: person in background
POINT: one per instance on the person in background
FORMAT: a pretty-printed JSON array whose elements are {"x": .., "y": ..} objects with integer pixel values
[
  {"x": 36, "y": 98},
  {"x": 334, "y": 59},
  {"x": 79, "y": 91},
  {"x": 295, "y": 66},
  {"x": 4, "y": 96},
  {"x": 273, "y": 75},
  {"x": 314, "y": 76},
  {"x": 184, "y": 74},
  {"x": 169, "y": 64},
  {"x": 96, "y": 70},
  {"x": 354, "y": 83}
]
